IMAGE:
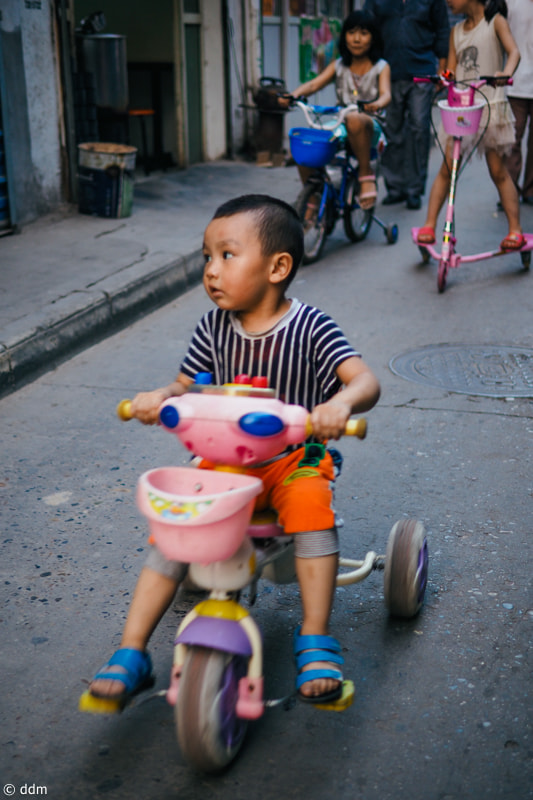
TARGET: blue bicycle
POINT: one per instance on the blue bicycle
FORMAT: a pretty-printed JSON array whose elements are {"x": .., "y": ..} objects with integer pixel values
[{"x": 332, "y": 189}]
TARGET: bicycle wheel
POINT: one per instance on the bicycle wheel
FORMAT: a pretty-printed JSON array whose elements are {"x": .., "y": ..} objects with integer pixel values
[
  {"x": 209, "y": 732},
  {"x": 357, "y": 220},
  {"x": 442, "y": 274},
  {"x": 307, "y": 207},
  {"x": 406, "y": 568}
]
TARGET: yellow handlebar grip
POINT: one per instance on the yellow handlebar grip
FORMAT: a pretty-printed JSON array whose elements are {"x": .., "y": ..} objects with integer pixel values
[
  {"x": 124, "y": 410},
  {"x": 356, "y": 427}
]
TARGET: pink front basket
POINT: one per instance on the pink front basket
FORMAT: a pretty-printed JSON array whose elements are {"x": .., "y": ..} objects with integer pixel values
[
  {"x": 460, "y": 120},
  {"x": 197, "y": 515}
]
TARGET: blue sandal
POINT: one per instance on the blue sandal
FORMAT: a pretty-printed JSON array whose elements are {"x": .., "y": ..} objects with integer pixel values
[
  {"x": 307, "y": 650},
  {"x": 138, "y": 675}
]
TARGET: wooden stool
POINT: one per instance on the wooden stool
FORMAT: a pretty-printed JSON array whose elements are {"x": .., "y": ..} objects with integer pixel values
[{"x": 141, "y": 114}]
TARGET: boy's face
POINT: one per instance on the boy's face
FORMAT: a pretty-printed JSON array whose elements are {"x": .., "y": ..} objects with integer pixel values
[{"x": 236, "y": 272}]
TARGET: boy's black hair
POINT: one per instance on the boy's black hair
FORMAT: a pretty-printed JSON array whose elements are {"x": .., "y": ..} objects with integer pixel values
[
  {"x": 493, "y": 7},
  {"x": 363, "y": 20},
  {"x": 278, "y": 225}
]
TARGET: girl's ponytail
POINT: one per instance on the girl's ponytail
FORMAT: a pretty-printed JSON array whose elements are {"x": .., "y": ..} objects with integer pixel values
[{"x": 493, "y": 7}]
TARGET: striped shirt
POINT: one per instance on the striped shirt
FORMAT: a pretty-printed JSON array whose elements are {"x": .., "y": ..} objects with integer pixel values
[{"x": 298, "y": 356}]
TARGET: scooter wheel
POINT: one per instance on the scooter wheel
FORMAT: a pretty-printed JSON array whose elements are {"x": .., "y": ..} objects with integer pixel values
[
  {"x": 406, "y": 568},
  {"x": 442, "y": 275},
  {"x": 391, "y": 232},
  {"x": 424, "y": 252},
  {"x": 209, "y": 732},
  {"x": 526, "y": 259}
]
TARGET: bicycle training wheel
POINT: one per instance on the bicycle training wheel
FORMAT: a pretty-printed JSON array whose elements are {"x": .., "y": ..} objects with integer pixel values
[
  {"x": 406, "y": 568},
  {"x": 209, "y": 732},
  {"x": 357, "y": 220},
  {"x": 307, "y": 207}
]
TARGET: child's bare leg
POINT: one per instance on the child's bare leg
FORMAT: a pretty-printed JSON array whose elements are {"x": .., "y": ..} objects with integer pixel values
[
  {"x": 153, "y": 595},
  {"x": 506, "y": 189},
  {"x": 317, "y": 579},
  {"x": 360, "y": 132},
  {"x": 439, "y": 192}
]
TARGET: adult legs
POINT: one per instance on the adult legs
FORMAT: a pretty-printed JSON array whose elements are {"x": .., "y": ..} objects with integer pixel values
[
  {"x": 522, "y": 110},
  {"x": 418, "y": 99},
  {"x": 393, "y": 160}
]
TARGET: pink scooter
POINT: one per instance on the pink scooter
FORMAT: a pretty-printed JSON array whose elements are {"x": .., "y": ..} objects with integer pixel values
[{"x": 461, "y": 116}]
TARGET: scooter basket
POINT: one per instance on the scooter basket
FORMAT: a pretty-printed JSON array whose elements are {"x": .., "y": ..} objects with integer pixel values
[
  {"x": 459, "y": 120},
  {"x": 197, "y": 515},
  {"x": 312, "y": 147}
]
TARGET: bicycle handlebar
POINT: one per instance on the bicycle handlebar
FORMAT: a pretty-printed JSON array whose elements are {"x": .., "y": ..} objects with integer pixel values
[
  {"x": 446, "y": 80},
  {"x": 319, "y": 110}
]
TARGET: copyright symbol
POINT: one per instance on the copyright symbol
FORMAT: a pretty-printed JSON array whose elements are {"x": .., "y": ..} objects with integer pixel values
[{"x": 9, "y": 789}]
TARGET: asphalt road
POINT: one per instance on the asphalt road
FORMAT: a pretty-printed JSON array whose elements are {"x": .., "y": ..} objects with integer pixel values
[{"x": 443, "y": 706}]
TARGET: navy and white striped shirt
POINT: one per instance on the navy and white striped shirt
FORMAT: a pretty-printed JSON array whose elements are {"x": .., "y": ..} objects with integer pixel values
[{"x": 298, "y": 356}]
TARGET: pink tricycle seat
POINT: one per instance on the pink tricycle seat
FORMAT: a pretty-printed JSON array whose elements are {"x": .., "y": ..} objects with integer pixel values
[{"x": 197, "y": 515}]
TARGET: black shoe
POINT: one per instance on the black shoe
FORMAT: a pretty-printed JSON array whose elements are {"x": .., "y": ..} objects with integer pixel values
[
  {"x": 393, "y": 197},
  {"x": 414, "y": 202}
]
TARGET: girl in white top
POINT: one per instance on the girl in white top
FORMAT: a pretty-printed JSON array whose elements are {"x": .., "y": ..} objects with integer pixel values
[
  {"x": 359, "y": 74},
  {"x": 479, "y": 45}
]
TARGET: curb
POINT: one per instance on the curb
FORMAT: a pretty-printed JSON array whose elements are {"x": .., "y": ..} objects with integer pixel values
[{"x": 88, "y": 316}]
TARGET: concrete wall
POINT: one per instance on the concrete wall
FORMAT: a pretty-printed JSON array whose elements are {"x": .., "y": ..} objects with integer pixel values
[
  {"x": 32, "y": 106},
  {"x": 214, "y": 112}
]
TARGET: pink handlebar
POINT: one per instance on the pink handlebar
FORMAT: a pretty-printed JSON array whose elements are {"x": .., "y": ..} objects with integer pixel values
[{"x": 236, "y": 430}]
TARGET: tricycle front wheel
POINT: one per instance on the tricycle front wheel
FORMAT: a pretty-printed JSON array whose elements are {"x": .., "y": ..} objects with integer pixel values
[
  {"x": 209, "y": 732},
  {"x": 406, "y": 568}
]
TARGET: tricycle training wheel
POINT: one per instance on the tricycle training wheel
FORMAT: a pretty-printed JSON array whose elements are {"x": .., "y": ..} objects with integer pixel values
[
  {"x": 526, "y": 259},
  {"x": 406, "y": 568},
  {"x": 209, "y": 732}
]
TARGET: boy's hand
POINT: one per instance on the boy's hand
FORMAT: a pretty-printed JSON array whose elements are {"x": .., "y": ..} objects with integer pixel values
[
  {"x": 329, "y": 419},
  {"x": 145, "y": 406}
]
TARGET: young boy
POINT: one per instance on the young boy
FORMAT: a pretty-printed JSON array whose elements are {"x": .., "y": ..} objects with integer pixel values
[{"x": 252, "y": 249}]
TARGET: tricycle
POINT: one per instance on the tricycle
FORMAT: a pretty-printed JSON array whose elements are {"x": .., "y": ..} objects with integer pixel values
[{"x": 204, "y": 517}]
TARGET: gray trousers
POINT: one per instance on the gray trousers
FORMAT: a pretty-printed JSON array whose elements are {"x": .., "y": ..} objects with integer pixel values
[{"x": 407, "y": 127}]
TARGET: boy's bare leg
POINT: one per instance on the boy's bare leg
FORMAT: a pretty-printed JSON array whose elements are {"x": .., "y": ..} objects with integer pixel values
[
  {"x": 317, "y": 580},
  {"x": 153, "y": 595}
]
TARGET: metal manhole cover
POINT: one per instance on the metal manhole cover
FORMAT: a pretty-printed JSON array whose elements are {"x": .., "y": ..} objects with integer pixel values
[{"x": 486, "y": 370}]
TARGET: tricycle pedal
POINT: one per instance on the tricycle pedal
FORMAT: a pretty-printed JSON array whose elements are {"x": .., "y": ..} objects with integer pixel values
[
  {"x": 343, "y": 702},
  {"x": 99, "y": 705}
]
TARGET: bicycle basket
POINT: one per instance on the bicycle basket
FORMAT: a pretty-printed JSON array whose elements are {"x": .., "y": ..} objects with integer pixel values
[
  {"x": 312, "y": 147},
  {"x": 460, "y": 120}
]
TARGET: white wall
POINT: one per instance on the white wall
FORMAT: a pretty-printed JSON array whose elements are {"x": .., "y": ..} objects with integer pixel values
[{"x": 213, "y": 81}]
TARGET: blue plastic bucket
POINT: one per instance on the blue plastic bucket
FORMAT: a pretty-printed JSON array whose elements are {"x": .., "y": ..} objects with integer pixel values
[{"x": 311, "y": 147}]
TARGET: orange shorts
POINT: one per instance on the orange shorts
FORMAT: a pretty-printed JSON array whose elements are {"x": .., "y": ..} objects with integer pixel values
[{"x": 298, "y": 488}]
